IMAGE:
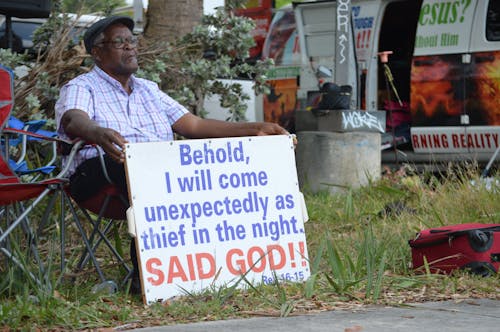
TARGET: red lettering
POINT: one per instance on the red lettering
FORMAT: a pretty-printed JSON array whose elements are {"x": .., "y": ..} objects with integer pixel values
[
  {"x": 476, "y": 142},
  {"x": 272, "y": 264},
  {"x": 488, "y": 137},
  {"x": 470, "y": 141},
  {"x": 261, "y": 258},
  {"x": 444, "y": 139},
  {"x": 423, "y": 141},
  {"x": 150, "y": 268},
  {"x": 175, "y": 270},
  {"x": 190, "y": 267},
  {"x": 435, "y": 141},
  {"x": 463, "y": 141},
  {"x": 416, "y": 143},
  {"x": 255, "y": 259},
  {"x": 240, "y": 263},
  {"x": 454, "y": 139},
  {"x": 199, "y": 263}
]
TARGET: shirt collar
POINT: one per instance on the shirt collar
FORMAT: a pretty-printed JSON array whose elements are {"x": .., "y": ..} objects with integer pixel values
[{"x": 134, "y": 83}]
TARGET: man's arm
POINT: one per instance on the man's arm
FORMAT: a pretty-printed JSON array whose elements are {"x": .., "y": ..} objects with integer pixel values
[
  {"x": 77, "y": 124},
  {"x": 191, "y": 126}
]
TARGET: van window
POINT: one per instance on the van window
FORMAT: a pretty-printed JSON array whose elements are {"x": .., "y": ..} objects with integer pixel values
[
  {"x": 22, "y": 30},
  {"x": 493, "y": 21}
]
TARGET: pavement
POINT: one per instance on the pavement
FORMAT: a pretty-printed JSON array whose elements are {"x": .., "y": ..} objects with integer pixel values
[{"x": 478, "y": 315}]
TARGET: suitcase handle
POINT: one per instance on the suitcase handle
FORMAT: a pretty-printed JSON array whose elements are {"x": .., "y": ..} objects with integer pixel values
[
  {"x": 492, "y": 228},
  {"x": 480, "y": 239}
]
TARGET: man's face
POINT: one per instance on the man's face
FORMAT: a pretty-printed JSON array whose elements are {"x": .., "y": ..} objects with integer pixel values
[{"x": 115, "y": 58}]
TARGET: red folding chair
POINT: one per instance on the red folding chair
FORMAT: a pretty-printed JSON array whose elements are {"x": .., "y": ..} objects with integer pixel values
[
  {"x": 19, "y": 200},
  {"x": 103, "y": 211}
]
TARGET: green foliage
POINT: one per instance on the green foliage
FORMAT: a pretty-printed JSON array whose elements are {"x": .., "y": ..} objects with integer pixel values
[
  {"x": 357, "y": 256},
  {"x": 193, "y": 68},
  {"x": 11, "y": 59},
  {"x": 189, "y": 70}
]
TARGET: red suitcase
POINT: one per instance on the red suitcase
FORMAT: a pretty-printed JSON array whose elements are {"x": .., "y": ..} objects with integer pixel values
[{"x": 466, "y": 246}]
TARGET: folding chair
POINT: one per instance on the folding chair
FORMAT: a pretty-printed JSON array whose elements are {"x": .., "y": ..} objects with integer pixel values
[
  {"x": 102, "y": 211},
  {"x": 20, "y": 141},
  {"x": 19, "y": 199}
]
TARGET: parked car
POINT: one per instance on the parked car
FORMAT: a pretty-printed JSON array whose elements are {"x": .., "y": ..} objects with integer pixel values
[{"x": 24, "y": 29}]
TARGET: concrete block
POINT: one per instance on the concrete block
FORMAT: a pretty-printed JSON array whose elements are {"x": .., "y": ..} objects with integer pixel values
[
  {"x": 341, "y": 121},
  {"x": 336, "y": 161}
]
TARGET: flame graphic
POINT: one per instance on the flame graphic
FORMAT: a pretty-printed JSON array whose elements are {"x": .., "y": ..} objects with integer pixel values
[
  {"x": 487, "y": 75},
  {"x": 444, "y": 86},
  {"x": 432, "y": 90}
]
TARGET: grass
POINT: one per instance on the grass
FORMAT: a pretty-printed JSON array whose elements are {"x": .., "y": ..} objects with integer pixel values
[{"x": 358, "y": 251}]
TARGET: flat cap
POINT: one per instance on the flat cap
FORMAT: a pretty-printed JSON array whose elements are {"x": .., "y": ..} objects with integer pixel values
[{"x": 95, "y": 29}]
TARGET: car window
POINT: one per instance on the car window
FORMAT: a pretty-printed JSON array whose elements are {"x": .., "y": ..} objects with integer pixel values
[
  {"x": 26, "y": 31},
  {"x": 23, "y": 32}
]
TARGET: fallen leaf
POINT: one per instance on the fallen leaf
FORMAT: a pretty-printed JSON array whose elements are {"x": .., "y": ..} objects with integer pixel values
[{"x": 355, "y": 328}]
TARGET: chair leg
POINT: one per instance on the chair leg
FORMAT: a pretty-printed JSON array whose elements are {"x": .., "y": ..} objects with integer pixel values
[
  {"x": 88, "y": 246},
  {"x": 62, "y": 230},
  {"x": 98, "y": 235},
  {"x": 92, "y": 242},
  {"x": 18, "y": 215}
]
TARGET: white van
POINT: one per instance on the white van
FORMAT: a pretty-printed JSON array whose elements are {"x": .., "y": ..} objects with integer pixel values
[
  {"x": 445, "y": 67},
  {"x": 24, "y": 29}
]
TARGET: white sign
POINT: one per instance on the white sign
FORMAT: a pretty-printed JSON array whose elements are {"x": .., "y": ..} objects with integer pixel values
[
  {"x": 455, "y": 139},
  {"x": 444, "y": 27},
  {"x": 207, "y": 211}
]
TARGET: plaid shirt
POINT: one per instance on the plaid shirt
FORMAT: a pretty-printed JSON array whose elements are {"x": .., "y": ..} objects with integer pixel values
[{"x": 146, "y": 115}]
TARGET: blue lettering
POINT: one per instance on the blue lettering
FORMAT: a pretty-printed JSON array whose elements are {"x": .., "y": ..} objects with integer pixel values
[
  {"x": 185, "y": 157},
  {"x": 173, "y": 212},
  {"x": 207, "y": 209},
  {"x": 363, "y": 23},
  {"x": 208, "y": 155}
]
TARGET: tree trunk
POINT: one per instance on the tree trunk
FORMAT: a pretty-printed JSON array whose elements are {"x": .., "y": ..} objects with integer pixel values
[{"x": 167, "y": 20}]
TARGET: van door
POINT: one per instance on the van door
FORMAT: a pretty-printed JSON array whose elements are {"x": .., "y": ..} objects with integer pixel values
[
  {"x": 455, "y": 79},
  {"x": 441, "y": 64},
  {"x": 483, "y": 80},
  {"x": 327, "y": 48},
  {"x": 384, "y": 25}
]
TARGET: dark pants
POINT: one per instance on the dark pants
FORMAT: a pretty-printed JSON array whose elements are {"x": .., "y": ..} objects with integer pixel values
[{"x": 89, "y": 179}]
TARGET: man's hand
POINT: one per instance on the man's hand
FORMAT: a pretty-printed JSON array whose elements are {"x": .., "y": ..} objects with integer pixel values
[
  {"x": 76, "y": 123},
  {"x": 111, "y": 142},
  {"x": 269, "y": 128},
  {"x": 192, "y": 126}
]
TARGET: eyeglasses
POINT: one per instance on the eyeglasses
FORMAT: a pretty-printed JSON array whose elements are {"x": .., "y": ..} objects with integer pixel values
[{"x": 119, "y": 42}]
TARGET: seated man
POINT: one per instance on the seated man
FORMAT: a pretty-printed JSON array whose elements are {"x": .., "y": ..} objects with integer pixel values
[{"x": 109, "y": 106}]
